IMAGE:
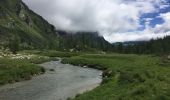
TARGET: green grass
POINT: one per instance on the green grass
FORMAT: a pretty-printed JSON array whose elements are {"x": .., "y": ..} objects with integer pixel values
[
  {"x": 16, "y": 70},
  {"x": 40, "y": 59},
  {"x": 133, "y": 77},
  {"x": 52, "y": 53}
]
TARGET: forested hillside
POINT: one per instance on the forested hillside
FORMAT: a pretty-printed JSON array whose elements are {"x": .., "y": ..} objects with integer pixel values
[
  {"x": 17, "y": 22},
  {"x": 22, "y": 28},
  {"x": 158, "y": 46},
  {"x": 83, "y": 41}
]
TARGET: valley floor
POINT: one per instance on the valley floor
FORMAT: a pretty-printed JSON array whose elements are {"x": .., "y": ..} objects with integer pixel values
[
  {"x": 126, "y": 77},
  {"x": 133, "y": 77},
  {"x": 19, "y": 67},
  {"x": 24, "y": 65}
]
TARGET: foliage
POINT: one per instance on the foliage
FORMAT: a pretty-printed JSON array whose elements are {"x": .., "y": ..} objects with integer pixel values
[
  {"x": 158, "y": 46},
  {"x": 17, "y": 20},
  {"x": 17, "y": 70},
  {"x": 14, "y": 68},
  {"x": 83, "y": 41},
  {"x": 52, "y": 53},
  {"x": 134, "y": 77},
  {"x": 14, "y": 44}
]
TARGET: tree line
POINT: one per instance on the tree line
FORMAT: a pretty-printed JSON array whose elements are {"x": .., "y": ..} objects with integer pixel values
[{"x": 158, "y": 46}]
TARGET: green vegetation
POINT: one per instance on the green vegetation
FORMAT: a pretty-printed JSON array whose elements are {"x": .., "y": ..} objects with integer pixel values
[
  {"x": 17, "y": 70},
  {"x": 125, "y": 77},
  {"x": 14, "y": 45},
  {"x": 52, "y": 53},
  {"x": 33, "y": 32},
  {"x": 132, "y": 77},
  {"x": 158, "y": 46},
  {"x": 83, "y": 42},
  {"x": 16, "y": 20},
  {"x": 14, "y": 68},
  {"x": 22, "y": 66}
]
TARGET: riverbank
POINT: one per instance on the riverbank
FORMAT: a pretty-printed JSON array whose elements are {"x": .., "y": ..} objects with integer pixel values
[
  {"x": 141, "y": 77},
  {"x": 21, "y": 66},
  {"x": 125, "y": 76},
  {"x": 63, "y": 82},
  {"x": 24, "y": 65}
]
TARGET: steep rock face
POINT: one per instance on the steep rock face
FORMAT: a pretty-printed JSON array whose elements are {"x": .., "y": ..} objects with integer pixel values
[
  {"x": 17, "y": 20},
  {"x": 21, "y": 11}
]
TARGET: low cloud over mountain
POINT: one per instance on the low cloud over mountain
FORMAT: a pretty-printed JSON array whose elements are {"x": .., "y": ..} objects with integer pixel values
[{"x": 116, "y": 20}]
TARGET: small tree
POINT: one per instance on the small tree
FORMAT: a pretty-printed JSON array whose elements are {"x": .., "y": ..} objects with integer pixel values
[{"x": 14, "y": 44}]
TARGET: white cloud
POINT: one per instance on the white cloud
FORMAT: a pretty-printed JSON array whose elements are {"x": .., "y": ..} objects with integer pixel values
[
  {"x": 165, "y": 27},
  {"x": 134, "y": 36},
  {"x": 98, "y": 15},
  {"x": 160, "y": 28},
  {"x": 109, "y": 17},
  {"x": 164, "y": 6}
]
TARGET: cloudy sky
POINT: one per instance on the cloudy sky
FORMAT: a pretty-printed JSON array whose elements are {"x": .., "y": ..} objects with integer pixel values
[{"x": 116, "y": 20}]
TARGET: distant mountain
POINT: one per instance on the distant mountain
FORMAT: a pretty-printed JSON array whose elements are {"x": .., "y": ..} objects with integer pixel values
[
  {"x": 84, "y": 41},
  {"x": 129, "y": 42},
  {"x": 17, "y": 21},
  {"x": 158, "y": 46}
]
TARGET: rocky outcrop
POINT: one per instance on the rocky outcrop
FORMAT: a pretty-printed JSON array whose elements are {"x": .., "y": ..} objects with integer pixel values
[
  {"x": 28, "y": 20},
  {"x": 11, "y": 23},
  {"x": 16, "y": 19},
  {"x": 22, "y": 13}
]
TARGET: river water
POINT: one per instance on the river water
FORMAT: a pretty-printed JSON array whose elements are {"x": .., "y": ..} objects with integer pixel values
[{"x": 58, "y": 84}]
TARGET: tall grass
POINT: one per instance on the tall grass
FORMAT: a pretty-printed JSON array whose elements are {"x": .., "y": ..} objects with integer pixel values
[
  {"x": 16, "y": 70},
  {"x": 52, "y": 53},
  {"x": 134, "y": 77}
]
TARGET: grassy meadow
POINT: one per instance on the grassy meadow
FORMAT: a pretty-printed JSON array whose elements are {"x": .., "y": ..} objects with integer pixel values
[
  {"x": 22, "y": 66},
  {"x": 17, "y": 70},
  {"x": 132, "y": 77},
  {"x": 125, "y": 76}
]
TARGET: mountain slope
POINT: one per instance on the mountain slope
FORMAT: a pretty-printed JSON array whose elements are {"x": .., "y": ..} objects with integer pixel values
[
  {"x": 16, "y": 20},
  {"x": 19, "y": 23},
  {"x": 157, "y": 46},
  {"x": 83, "y": 41}
]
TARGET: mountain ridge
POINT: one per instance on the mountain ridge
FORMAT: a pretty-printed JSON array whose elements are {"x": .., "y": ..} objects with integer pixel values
[{"x": 34, "y": 32}]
